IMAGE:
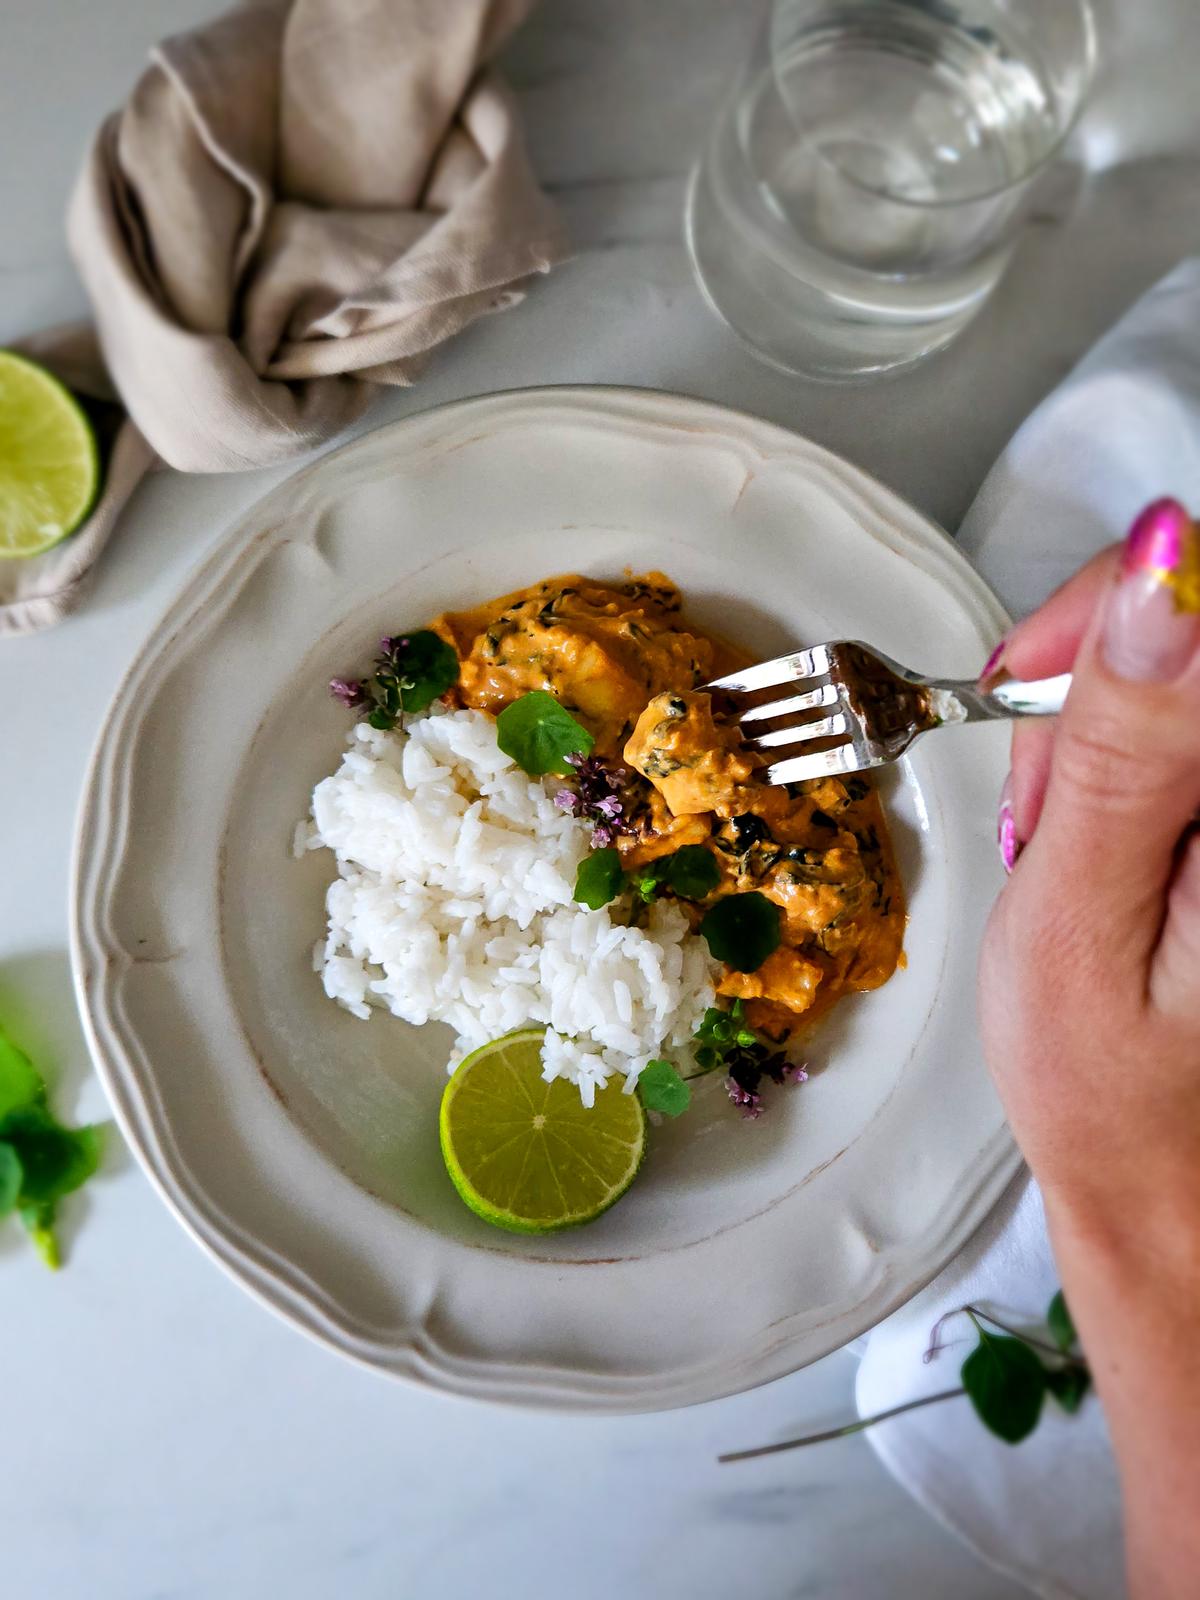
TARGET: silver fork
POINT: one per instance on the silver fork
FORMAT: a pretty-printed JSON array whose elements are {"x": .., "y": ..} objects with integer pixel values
[{"x": 864, "y": 708}]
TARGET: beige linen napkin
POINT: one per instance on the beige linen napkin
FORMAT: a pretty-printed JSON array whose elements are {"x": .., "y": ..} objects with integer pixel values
[{"x": 299, "y": 200}]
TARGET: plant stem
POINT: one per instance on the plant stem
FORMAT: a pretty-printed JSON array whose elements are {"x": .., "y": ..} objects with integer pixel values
[
  {"x": 843, "y": 1432},
  {"x": 1025, "y": 1338}
]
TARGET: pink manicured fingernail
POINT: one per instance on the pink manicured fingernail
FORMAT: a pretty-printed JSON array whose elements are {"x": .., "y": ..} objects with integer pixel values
[
  {"x": 1006, "y": 828},
  {"x": 1152, "y": 624},
  {"x": 991, "y": 666}
]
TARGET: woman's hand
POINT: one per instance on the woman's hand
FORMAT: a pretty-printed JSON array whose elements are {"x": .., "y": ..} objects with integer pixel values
[{"x": 1090, "y": 1001}]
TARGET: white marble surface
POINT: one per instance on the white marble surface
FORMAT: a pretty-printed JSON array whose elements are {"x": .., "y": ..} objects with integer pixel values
[{"x": 168, "y": 1439}]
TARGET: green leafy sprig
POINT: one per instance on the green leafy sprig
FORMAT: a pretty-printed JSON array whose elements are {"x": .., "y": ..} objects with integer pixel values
[
  {"x": 724, "y": 1043},
  {"x": 40, "y": 1159},
  {"x": 721, "y": 1035},
  {"x": 1006, "y": 1377},
  {"x": 691, "y": 872},
  {"x": 411, "y": 671}
]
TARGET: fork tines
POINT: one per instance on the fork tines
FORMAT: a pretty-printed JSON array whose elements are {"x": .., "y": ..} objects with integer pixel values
[
  {"x": 841, "y": 724},
  {"x": 800, "y": 664}
]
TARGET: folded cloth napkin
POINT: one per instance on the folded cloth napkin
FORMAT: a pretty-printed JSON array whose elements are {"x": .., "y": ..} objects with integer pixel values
[
  {"x": 1123, "y": 429},
  {"x": 299, "y": 200}
]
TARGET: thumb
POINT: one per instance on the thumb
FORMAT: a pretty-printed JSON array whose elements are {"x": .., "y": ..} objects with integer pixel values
[
  {"x": 1175, "y": 976},
  {"x": 1125, "y": 775}
]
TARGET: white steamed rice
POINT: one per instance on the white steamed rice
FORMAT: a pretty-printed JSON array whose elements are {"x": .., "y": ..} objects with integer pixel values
[{"x": 453, "y": 904}]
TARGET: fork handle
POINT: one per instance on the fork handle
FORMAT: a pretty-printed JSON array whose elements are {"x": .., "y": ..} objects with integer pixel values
[{"x": 955, "y": 701}]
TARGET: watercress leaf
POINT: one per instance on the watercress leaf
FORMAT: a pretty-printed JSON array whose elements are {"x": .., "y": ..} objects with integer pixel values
[
  {"x": 55, "y": 1159},
  {"x": 426, "y": 666},
  {"x": 39, "y": 1224},
  {"x": 742, "y": 930},
  {"x": 710, "y": 1023},
  {"x": 1006, "y": 1384},
  {"x": 692, "y": 872},
  {"x": 11, "y": 1173},
  {"x": 662, "y": 1089},
  {"x": 599, "y": 878},
  {"x": 539, "y": 734},
  {"x": 1068, "y": 1386},
  {"x": 1059, "y": 1321},
  {"x": 721, "y": 1036},
  {"x": 20, "y": 1081},
  {"x": 380, "y": 717},
  {"x": 650, "y": 879},
  {"x": 711, "y": 1038}
]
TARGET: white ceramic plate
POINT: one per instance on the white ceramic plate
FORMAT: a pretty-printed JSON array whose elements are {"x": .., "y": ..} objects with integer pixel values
[{"x": 299, "y": 1145}]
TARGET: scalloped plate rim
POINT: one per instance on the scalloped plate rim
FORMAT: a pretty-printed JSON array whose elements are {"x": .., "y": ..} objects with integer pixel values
[{"x": 280, "y": 1285}]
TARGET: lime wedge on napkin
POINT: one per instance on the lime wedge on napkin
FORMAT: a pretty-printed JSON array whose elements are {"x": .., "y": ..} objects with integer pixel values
[
  {"x": 527, "y": 1155},
  {"x": 49, "y": 463}
]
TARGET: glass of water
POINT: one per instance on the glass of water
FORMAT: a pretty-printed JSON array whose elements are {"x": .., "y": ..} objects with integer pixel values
[{"x": 863, "y": 188}]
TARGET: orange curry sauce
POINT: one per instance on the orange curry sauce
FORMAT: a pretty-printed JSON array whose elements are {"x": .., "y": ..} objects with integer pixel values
[{"x": 623, "y": 661}]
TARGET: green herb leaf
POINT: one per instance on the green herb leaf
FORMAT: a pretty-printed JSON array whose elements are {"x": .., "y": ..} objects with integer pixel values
[
  {"x": 1068, "y": 1386},
  {"x": 721, "y": 1034},
  {"x": 55, "y": 1159},
  {"x": 39, "y": 1224},
  {"x": 742, "y": 930},
  {"x": 40, "y": 1160},
  {"x": 600, "y": 878},
  {"x": 662, "y": 1089},
  {"x": 425, "y": 666},
  {"x": 11, "y": 1173},
  {"x": 692, "y": 872},
  {"x": 20, "y": 1081},
  {"x": 539, "y": 734},
  {"x": 1058, "y": 1320},
  {"x": 716, "y": 1026},
  {"x": 1006, "y": 1384},
  {"x": 652, "y": 878}
]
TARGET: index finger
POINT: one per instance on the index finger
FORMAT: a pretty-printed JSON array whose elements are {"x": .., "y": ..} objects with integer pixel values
[{"x": 1047, "y": 641}]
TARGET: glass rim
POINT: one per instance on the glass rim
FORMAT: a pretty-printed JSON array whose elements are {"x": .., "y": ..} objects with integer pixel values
[{"x": 1087, "y": 17}]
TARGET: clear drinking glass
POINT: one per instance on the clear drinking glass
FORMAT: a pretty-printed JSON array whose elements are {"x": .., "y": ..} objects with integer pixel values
[{"x": 863, "y": 187}]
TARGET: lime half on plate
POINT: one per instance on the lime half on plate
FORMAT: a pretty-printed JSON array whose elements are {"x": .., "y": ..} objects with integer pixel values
[
  {"x": 49, "y": 463},
  {"x": 527, "y": 1155}
]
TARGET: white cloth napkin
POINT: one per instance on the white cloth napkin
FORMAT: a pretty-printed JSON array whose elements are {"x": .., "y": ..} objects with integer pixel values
[{"x": 1123, "y": 429}]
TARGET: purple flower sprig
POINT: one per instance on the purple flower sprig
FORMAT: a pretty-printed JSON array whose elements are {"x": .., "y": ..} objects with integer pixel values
[
  {"x": 746, "y": 1068},
  {"x": 596, "y": 798},
  {"x": 411, "y": 671},
  {"x": 347, "y": 693},
  {"x": 724, "y": 1042}
]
